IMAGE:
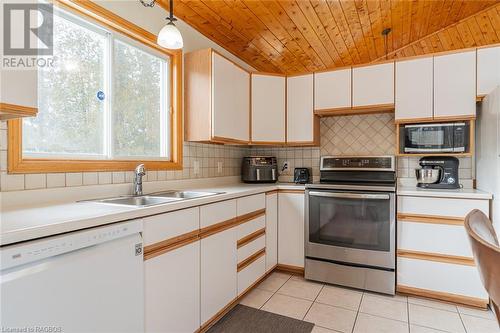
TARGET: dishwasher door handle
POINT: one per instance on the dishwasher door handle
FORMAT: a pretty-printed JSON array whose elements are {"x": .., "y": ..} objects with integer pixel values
[{"x": 350, "y": 195}]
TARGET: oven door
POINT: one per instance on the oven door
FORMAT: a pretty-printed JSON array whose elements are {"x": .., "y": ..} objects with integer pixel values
[
  {"x": 351, "y": 227},
  {"x": 437, "y": 138}
]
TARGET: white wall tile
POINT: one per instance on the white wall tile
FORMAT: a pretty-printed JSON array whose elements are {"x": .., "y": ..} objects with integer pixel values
[
  {"x": 11, "y": 182},
  {"x": 3, "y": 139},
  {"x": 105, "y": 178},
  {"x": 90, "y": 178},
  {"x": 3, "y": 160},
  {"x": 74, "y": 179},
  {"x": 118, "y": 177},
  {"x": 56, "y": 180},
  {"x": 35, "y": 180}
]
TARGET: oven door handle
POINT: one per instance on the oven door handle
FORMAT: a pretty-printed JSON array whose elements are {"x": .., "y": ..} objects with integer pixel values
[{"x": 350, "y": 195}]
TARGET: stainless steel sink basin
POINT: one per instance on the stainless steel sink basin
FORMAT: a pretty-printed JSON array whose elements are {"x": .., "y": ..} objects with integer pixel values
[
  {"x": 139, "y": 201},
  {"x": 184, "y": 194}
]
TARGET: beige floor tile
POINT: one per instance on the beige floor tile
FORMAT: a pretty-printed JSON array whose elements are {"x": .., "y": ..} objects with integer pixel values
[
  {"x": 287, "y": 306},
  {"x": 331, "y": 317},
  {"x": 421, "y": 329},
  {"x": 343, "y": 297},
  {"x": 274, "y": 281},
  {"x": 366, "y": 323},
  {"x": 383, "y": 307},
  {"x": 301, "y": 288},
  {"x": 319, "y": 329},
  {"x": 397, "y": 297},
  {"x": 432, "y": 304},
  {"x": 435, "y": 318},
  {"x": 480, "y": 325},
  {"x": 256, "y": 298},
  {"x": 486, "y": 314}
]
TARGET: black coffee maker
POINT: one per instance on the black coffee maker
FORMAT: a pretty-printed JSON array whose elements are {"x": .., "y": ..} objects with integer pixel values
[{"x": 438, "y": 172}]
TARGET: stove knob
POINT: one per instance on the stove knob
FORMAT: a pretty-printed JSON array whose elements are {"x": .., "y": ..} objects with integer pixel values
[{"x": 451, "y": 180}]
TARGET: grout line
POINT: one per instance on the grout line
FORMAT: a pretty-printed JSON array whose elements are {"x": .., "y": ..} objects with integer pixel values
[
  {"x": 461, "y": 320},
  {"x": 274, "y": 293},
  {"x": 408, "y": 314},
  {"x": 357, "y": 312},
  {"x": 314, "y": 301}
]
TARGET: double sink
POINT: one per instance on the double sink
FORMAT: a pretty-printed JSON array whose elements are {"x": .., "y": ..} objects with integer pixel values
[{"x": 157, "y": 198}]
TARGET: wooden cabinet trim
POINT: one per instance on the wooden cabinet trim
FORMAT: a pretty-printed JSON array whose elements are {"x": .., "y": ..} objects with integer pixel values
[
  {"x": 219, "y": 139},
  {"x": 291, "y": 191},
  {"x": 442, "y": 296},
  {"x": 250, "y": 238},
  {"x": 433, "y": 219},
  {"x": 171, "y": 244},
  {"x": 356, "y": 110},
  {"x": 218, "y": 227},
  {"x": 251, "y": 216},
  {"x": 444, "y": 258},
  {"x": 11, "y": 111},
  {"x": 272, "y": 192},
  {"x": 251, "y": 259}
]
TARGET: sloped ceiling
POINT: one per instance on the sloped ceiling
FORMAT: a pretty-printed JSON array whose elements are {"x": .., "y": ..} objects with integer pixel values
[{"x": 292, "y": 37}]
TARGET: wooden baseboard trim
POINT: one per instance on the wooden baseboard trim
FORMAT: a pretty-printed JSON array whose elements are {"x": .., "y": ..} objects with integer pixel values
[
  {"x": 443, "y": 296},
  {"x": 248, "y": 261},
  {"x": 434, "y": 219},
  {"x": 296, "y": 270},
  {"x": 212, "y": 321},
  {"x": 250, "y": 238},
  {"x": 438, "y": 257}
]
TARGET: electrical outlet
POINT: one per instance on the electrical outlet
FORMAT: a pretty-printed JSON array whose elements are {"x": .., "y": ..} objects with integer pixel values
[
  {"x": 219, "y": 167},
  {"x": 196, "y": 167},
  {"x": 285, "y": 166}
]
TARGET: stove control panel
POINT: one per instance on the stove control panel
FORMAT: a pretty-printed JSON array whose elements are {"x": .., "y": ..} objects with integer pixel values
[{"x": 366, "y": 163}]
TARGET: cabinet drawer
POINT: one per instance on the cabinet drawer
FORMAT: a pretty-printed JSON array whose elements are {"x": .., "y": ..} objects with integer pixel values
[
  {"x": 253, "y": 247},
  {"x": 251, "y": 226},
  {"x": 440, "y": 206},
  {"x": 434, "y": 238},
  {"x": 251, "y": 204},
  {"x": 251, "y": 273},
  {"x": 453, "y": 279},
  {"x": 164, "y": 226},
  {"x": 217, "y": 212}
]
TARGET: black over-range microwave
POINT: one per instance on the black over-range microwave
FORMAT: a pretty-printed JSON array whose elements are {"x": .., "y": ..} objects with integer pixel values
[{"x": 450, "y": 137}]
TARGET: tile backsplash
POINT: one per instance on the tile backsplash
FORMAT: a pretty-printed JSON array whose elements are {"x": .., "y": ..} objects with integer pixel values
[{"x": 347, "y": 135}]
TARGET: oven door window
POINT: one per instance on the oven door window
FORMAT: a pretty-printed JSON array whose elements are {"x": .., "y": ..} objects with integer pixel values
[{"x": 350, "y": 220}]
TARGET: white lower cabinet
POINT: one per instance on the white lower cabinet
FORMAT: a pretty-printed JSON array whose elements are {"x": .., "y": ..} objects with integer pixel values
[
  {"x": 291, "y": 229},
  {"x": 219, "y": 262},
  {"x": 271, "y": 230},
  {"x": 172, "y": 290},
  {"x": 250, "y": 274}
]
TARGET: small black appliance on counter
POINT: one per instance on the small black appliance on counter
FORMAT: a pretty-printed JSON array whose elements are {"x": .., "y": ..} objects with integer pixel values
[
  {"x": 259, "y": 169},
  {"x": 302, "y": 175},
  {"x": 438, "y": 172}
]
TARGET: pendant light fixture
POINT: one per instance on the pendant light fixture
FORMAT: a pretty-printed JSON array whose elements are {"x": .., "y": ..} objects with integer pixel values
[{"x": 169, "y": 37}]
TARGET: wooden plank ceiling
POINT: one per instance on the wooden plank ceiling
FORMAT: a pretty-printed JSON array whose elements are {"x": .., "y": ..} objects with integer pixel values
[{"x": 292, "y": 37}]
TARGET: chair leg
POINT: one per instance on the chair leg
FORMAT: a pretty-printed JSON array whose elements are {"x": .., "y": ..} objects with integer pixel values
[{"x": 497, "y": 312}]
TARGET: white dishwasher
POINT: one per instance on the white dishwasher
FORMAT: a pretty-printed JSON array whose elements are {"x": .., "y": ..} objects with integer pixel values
[{"x": 84, "y": 281}]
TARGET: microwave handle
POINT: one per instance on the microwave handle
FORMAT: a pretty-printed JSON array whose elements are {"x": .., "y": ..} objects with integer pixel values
[{"x": 350, "y": 195}]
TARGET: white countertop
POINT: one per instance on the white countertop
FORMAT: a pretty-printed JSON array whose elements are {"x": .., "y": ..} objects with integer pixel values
[
  {"x": 462, "y": 193},
  {"x": 18, "y": 225}
]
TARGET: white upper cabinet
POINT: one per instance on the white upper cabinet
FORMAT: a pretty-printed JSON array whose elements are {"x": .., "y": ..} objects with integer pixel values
[
  {"x": 373, "y": 85},
  {"x": 332, "y": 90},
  {"x": 268, "y": 108},
  {"x": 488, "y": 70},
  {"x": 300, "y": 113},
  {"x": 455, "y": 85},
  {"x": 230, "y": 100},
  {"x": 414, "y": 87}
]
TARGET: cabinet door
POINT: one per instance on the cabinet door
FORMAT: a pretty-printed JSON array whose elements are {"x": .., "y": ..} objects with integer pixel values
[
  {"x": 373, "y": 85},
  {"x": 332, "y": 90},
  {"x": 172, "y": 290},
  {"x": 268, "y": 108},
  {"x": 219, "y": 260},
  {"x": 271, "y": 230},
  {"x": 414, "y": 86},
  {"x": 300, "y": 113},
  {"x": 455, "y": 85},
  {"x": 488, "y": 70},
  {"x": 230, "y": 100},
  {"x": 291, "y": 229}
]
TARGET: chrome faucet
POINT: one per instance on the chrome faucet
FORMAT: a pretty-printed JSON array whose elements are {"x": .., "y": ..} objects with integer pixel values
[{"x": 139, "y": 172}]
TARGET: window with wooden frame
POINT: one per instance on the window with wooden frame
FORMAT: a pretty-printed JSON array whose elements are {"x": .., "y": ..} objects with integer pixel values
[{"x": 111, "y": 101}]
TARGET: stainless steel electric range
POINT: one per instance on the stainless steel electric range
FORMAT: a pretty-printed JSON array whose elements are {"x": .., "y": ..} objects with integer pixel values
[{"x": 350, "y": 223}]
